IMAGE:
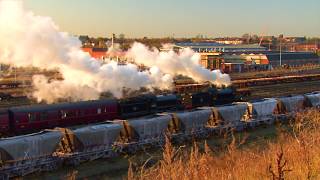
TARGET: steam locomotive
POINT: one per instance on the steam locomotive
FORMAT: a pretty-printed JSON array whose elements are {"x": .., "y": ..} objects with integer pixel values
[{"x": 25, "y": 119}]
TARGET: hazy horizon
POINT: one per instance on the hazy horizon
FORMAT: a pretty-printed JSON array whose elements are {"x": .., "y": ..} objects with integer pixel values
[{"x": 101, "y": 18}]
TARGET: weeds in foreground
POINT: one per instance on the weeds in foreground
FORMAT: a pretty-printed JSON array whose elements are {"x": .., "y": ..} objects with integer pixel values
[
  {"x": 293, "y": 155},
  {"x": 281, "y": 170}
]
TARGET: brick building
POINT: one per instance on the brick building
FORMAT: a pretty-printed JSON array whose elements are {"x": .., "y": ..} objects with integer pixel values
[{"x": 98, "y": 53}]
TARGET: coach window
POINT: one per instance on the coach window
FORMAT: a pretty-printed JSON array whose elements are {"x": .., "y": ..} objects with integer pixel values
[
  {"x": 63, "y": 114},
  {"x": 32, "y": 117},
  {"x": 99, "y": 111}
]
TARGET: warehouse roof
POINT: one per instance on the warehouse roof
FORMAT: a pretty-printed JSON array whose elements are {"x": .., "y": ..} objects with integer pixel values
[
  {"x": 210, "y": 44},
  {"x": 193, "y": 44}
]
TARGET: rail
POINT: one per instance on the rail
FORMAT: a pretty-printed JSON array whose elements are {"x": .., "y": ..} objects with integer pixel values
[{"x": 275, "y": 80}]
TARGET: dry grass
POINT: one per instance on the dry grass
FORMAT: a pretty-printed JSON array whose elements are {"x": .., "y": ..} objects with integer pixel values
[{"x": 294, "y": 155}]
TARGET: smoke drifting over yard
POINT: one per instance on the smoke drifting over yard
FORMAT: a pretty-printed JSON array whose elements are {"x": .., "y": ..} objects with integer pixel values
[{"x": 31, "y": 40}]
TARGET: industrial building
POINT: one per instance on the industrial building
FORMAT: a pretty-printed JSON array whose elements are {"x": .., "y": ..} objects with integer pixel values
[
  {"x": 228, "y": 62},
  {"x": 212, "y": 60},
  {"x": 242, "y": 62},
  {"x": 217, "y": 47},
  {"x": 245, "y": 62},
  {"x": 292, "y": 58}
]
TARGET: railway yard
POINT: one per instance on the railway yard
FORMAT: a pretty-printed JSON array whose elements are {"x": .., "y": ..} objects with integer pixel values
[
  {"x": 173, "y": 101},
  {"x": 16, "y": 88},
  {"x": 73, "y": 145}
]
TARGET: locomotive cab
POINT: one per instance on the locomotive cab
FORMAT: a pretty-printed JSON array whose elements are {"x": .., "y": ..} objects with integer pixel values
[{"x": 137, "y": 106}]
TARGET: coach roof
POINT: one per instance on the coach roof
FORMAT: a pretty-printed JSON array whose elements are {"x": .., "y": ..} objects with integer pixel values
[{"x": 63, "y": 106}]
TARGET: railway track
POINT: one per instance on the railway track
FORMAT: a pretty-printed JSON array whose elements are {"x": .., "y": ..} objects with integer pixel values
[
  {"x": 20, "y": 101},
  {"x": 315, "y": 69},
  {"x": 275, "y": 80},
  {"x": 281, "y": 87},
  {"x": 276, "y": 90}
]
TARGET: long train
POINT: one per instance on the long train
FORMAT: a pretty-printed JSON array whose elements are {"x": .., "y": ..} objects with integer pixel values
[
  {"x": 51, "y": 149},
  {"x": 27, "y": 119}
]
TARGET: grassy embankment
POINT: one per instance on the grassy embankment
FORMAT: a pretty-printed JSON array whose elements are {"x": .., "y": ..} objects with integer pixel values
[{"x": 293, "y": 154}]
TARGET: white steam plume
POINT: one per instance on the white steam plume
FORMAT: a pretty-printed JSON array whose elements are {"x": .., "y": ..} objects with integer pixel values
[
  {"x": 30, "y": 40},
  {"x": 186, "y": 63}
]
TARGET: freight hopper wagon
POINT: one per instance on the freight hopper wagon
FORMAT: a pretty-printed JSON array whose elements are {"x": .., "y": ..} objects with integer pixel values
[
  {"x": 90, "y": 142},
  {"x": 313, "y": 99},
  {"x": 138, "y": 133},
  {"x": 261, "y": 112},
  {"x": 49, "y": 149},
  {"x": 187, "y": 124},
  {"x": 288, "y": 105},
  {"x": 26, "y": 154}
]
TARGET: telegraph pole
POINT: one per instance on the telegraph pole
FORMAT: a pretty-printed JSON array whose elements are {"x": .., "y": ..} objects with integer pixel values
[
  {"x": 280, "y": 53},
  {"x": 112, "y": 40}
]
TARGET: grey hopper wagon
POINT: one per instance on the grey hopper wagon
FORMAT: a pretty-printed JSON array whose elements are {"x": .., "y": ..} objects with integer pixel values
[
  {"x": 92, "y": 142},
  {"x": 290, "y": 104},
  {"x": 96, "y": 137},
  {"x": 29, "y": 153},
  {"x": 192, "y": 122},
  {"x": 262, "y": 109},
  {"x": 146, "y": 129},
  {"x": 230, "y": 115},
  {"x": 314, "y": 99}
]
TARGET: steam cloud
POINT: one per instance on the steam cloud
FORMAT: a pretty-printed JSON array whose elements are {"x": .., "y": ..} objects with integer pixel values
[
  {"x": 185, "y": 63},
  {"x": 30, "y": 40}
]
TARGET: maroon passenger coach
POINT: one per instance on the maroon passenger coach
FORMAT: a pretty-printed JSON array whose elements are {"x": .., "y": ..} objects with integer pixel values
[{"x": 31, "y": 118}]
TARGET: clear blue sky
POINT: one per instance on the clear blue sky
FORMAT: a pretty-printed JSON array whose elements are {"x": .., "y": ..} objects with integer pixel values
[{"x": 183, "y": 18}]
